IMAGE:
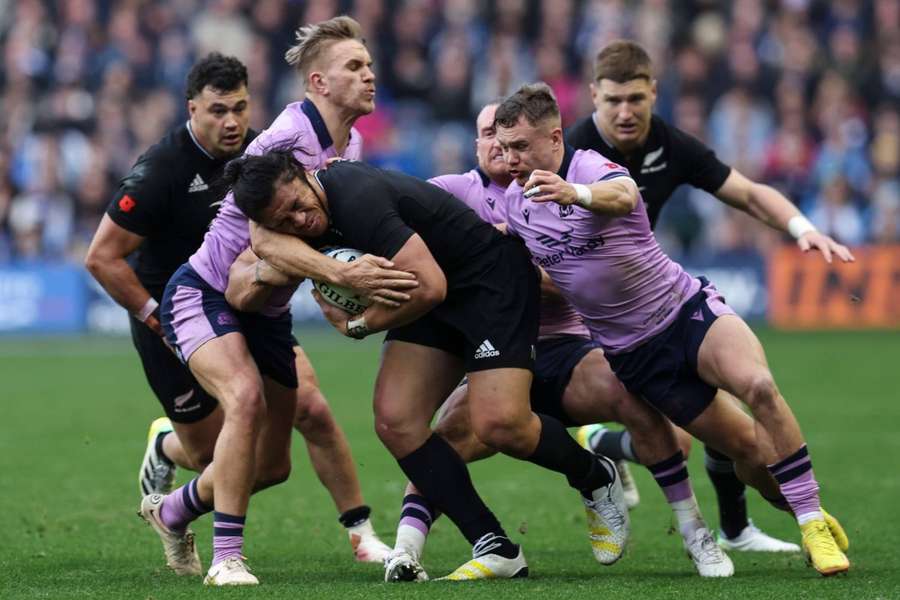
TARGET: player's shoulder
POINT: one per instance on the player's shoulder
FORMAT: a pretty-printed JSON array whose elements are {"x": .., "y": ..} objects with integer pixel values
[
  {"x": 459, "y": 180},
  {"x": 168, "y": 151},
  {"x": 578, "y": 135},
  {"x": 671, "y": 136},
  {"x": 290, "y": 129},
  {"x": 589, "y": 157}
]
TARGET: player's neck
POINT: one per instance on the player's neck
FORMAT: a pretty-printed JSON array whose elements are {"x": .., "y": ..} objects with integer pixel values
[{"x": 337, "y": 119}]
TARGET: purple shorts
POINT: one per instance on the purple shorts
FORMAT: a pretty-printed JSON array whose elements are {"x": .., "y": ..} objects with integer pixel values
[
  {"x": 192, "y": 313},
  {"x": 663, "y": 370}
]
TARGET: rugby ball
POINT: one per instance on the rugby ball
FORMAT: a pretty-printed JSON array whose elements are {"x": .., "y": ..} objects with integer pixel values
[{"x": 336, "y": 295}]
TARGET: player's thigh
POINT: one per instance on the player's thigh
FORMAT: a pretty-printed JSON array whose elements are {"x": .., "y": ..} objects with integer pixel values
[
  {"x": 413, "y": 381},
  {"x": 226, "y": 370},
  {"x": 594, "y": 394},
  {"x": 499, "y": 399},
  {"x": 731, "y": 357}
]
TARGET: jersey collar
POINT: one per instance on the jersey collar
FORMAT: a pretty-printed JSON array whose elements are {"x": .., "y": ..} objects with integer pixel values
[
  {"x": 485, "y": 180},
  {"x": 318, "y": 123},
  {"x": 196, "y": 142},
  {"x": 567, "y": 160}
]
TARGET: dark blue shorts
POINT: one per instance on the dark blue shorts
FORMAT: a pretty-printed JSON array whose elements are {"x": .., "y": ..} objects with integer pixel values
[
  {"x": 556, "y": 358},
  {"x": 663, "y": 370},
  {"x": 192, "y": 313}
]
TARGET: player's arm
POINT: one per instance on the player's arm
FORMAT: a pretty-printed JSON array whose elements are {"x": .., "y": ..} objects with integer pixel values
[
  {"x": 105, "y": 260},
  {"x": 371, "y": 276},
  {"x": 611, "y": 197},
  {"x": 251, "y": 281},
  {"x": 768, "y": 205},
  {"x": 413, "y": 257}
]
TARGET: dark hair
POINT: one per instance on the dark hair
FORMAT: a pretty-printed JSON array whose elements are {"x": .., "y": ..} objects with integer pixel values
[
  {"x": 253, "y": 178},
  {"x": 622, "y": 61},
  {"x": 222, "y": 73},
  {"x": 535, "y": 101}
]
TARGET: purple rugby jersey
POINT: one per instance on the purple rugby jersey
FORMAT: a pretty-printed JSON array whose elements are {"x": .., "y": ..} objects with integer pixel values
[
  {"x": 299, "y": 125},
  {"x": 486, "y": 198},
  {"x": 610, "y": 268}
]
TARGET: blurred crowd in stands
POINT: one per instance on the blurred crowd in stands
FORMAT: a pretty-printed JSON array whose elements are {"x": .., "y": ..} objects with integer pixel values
[{"x": 802, "y": 94}]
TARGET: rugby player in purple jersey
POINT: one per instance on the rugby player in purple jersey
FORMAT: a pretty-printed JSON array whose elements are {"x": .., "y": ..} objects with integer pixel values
[
  {"x": 669, "y": 337},
  {"x": 660, "y": 158},
  {"x": 572, "y": 381},
  {"x": 250, "y": 361}
]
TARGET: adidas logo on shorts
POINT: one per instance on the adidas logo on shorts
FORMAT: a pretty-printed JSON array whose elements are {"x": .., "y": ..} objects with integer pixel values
[{"x": 486, "y": 350}]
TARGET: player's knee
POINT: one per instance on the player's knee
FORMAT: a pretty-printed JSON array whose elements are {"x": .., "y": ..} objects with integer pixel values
[
  {"x": 247, "y": 407},
  {"x": 501, "y": 433},
  {"x": 273, "y": 473},
  {"x": 199, "y": 457},
  {"x": 684, "y": 441},
  {"x": 762, "y": 393},
  {"x": 313, "y": 413}
]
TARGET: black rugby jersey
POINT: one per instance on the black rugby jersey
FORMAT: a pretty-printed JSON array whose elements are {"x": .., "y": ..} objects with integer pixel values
[
  {"x": 169, "y": 197},
  {"x": 669, "y": 158},
  {"x": 377, "y": 211}
]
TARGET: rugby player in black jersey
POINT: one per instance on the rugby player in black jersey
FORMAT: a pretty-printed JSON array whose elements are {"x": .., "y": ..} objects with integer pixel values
[
  {"x": 475, "y": 312},
  {"x": 156, "y": 220},
  {"x": 660, "y": 158}
]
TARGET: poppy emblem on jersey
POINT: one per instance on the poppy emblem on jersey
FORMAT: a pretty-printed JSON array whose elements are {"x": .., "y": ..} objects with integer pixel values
[
  {"x": 612, "y": 165},
  {"x": 126, "y": 203}
]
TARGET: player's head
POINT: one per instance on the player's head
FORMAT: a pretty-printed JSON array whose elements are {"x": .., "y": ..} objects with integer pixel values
[
  {"x": 529, "y": 131},
  {"x": 623, "y": 92},
  {"x": 219, "y": 104},
  {"x": 487, "y": 149},
  {"x": 273, "y": 190},
  {"x": 335, "y": 65}
]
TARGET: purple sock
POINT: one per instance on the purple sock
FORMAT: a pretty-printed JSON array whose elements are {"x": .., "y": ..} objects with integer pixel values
[
  {"x": 798, "y": 484},
  {"x": 672, "y": 476},
  {"x": 416, "y": 513},
  {"x": 228, "y": 536},
  {"x": 182, "y": 506}
]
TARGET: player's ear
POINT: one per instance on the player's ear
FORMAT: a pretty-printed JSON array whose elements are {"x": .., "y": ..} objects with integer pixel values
[
  {"x": 652, "y": 91},
  {"x": 192, "y": 107},
  {"x": 316, "y": 83}
]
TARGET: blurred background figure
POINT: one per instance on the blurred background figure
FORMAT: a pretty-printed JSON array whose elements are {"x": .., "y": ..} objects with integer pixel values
[{"x": 800, "y": 95}]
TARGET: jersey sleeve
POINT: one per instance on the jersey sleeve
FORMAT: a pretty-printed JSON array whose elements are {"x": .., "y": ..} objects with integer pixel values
[
  {"x": 142, "y": 200},
  {"x": 702, "y": 168},
  {"x": 457, "y": 185},
  {"x": 593, "y": 167}
]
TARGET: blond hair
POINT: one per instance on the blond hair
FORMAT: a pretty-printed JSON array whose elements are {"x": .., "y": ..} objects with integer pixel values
[{"x": 312, "y": 40}]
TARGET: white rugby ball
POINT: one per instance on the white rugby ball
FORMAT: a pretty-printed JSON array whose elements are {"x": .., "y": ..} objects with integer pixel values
[{"x": 336, "y": 295}]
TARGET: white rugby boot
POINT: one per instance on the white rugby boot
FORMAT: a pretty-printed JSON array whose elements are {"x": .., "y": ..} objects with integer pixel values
[
  {"x": 752, "y": 539},
  {"x": 157, "y": 474},
  {"x": 231, "y": 571},
  {"x": 180, "y": 550},
  {"x": 709, "y": 559},
  {"x": 607, "y": 515},
  {"x": 487, "y": 565},
  {"x": 367, "y": 547},
  {"x": 403, "y": 565}
]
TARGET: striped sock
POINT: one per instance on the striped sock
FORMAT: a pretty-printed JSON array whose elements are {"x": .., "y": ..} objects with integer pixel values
[
  {"x": 730, "y": 493},
  {"x": 798, "y": 485},
  {"x": 182, "y": 506},
  {"x": 228, "y": 536},
  {"x": 671, "y": 475},
  {"x": 416, "y": 518}
]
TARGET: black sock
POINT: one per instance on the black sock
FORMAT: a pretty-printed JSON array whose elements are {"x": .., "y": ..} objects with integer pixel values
[
  {"x": 730, "y": 492},
  {"x": 557, "y": 451},
  {"x": 159, "y": 447},
  {"x": 354, "y": 516},
  {"x": 615, "y": 445},
  {"x": 441, "y": 476}
]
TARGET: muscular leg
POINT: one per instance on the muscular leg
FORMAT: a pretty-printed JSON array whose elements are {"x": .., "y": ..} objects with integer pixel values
[
  {"x": 329, "y": 451},
  {"x": 273, "y": 445}
]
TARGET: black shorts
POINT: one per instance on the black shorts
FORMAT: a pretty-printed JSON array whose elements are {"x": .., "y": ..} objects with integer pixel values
[
  {"x": 663, "y": 370},
  {"x": 182, "y": 398},
  {"x": 490, "y": 316},
  {"x": 192, "y": 313},
  {"x": 557, "y": 357}
]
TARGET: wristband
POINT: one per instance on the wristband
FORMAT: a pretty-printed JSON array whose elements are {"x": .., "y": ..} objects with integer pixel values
[
  {"x": 584, "y": 196},
  {"x": 147, "y": 310},
  {"x": 357, "y": 329},
  {"x": 799, "y": 225}
]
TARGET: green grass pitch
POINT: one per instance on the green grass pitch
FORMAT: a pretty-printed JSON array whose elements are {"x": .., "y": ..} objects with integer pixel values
[{"x": 74, "y": 421}]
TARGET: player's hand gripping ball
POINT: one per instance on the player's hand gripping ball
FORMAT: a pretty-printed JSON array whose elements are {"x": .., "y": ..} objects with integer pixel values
[{"x": 336, "y": 295}]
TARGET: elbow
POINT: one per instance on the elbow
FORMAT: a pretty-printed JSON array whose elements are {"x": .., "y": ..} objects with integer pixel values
[
  {"x": 626, "y": 204},
  {"x": 93, "y": 263}
]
